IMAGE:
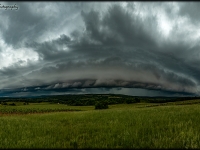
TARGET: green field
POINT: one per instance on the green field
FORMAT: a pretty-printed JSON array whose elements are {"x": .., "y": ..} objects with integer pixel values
[
  {"x": 139, "y": 125},
  {"x": 40, "y": 108}
]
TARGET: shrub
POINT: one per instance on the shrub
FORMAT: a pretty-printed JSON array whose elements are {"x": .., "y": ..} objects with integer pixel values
[
  {"x": 26, "y": 103},
  {"x": 13, "y": 104},
  {"x": 101, "y": 105}
]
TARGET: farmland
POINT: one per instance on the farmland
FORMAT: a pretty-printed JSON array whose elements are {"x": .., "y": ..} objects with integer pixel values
[{"x": 134, "y": 125}]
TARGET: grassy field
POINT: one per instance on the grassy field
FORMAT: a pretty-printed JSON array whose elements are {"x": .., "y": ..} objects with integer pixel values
[
  {"x": 120, "y": 126},
  {"x": 40, "y": 108}
]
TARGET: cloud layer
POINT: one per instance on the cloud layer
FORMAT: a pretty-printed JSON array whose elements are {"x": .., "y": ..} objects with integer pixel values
[{"x": 86, "y": 45}]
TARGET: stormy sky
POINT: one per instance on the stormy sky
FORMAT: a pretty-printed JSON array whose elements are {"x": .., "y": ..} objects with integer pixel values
[{"x": 132, "y": 48}]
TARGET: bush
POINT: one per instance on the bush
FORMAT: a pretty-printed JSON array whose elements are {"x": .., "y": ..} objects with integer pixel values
[
  {"x": 101, "y": 105},
  {"x": 13, "y": 104}
]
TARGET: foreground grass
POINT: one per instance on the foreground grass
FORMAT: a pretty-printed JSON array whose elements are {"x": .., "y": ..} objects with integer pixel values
[{"x": 121, "y": 126}]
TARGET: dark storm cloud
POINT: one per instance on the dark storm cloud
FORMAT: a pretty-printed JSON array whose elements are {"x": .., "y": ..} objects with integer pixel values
[
  {"x": 191, "y": 11},
  {"x": 110, "y": 48},
  {"x": 52, "y": 50},
  {"x": 34, "y": 20},
  {"x": 117, "y": 27},
  {"x": 20, "y": 23},
  {"x": 97, "y": 75}
]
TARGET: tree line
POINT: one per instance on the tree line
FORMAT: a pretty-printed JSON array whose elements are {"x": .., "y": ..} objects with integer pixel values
[{"x": 92, "y": 99}]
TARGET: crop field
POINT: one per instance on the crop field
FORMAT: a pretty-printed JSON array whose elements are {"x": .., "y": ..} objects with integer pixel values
[{"x": 120, "y": 126}]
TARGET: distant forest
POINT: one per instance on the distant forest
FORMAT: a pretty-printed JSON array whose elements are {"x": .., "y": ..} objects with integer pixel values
[{"x": 91, "y": 99}]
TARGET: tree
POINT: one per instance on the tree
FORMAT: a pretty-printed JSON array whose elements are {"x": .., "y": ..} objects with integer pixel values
[
  {"x": 101, "y": 105},
  {"x": 137, "y": 100},
  {"x": 26, "y": 103},
  {"x": 13, "y": 104}
]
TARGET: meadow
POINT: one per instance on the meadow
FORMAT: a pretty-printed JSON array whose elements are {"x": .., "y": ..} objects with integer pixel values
[
  {"x": 36, "y": 108},
  {"x": 121, "y": 126}
]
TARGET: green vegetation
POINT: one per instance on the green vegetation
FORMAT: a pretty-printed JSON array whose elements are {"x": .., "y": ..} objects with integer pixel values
[
  {"x": 25, "y": 124},
  {"x": 125, "y": 127},
  {"x": 77, "y": 100},
  {"x": 101, "y": 105},
  {"x": 91, "y": 99},
  {"x": 34, "y": 108}
]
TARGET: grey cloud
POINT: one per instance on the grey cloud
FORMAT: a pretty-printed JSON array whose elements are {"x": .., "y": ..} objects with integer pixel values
[
  {"x": 116, "y": 49},
  {"x": 34, "y": 20},
  {"x": 52, "y": 50},
  {"x": 109, "y": 74},
  {"x": 22, "y": 24},
  {"x": 191, "y": 11},
  {"x": 116, "y": 27}
]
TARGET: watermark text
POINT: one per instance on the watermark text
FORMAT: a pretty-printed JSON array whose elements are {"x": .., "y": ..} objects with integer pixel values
[{"x": 7, "y": 7}]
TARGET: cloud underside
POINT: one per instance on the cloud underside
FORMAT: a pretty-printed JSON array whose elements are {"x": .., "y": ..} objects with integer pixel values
[
  {"x": 81, "y": 75},
  {"x": 114, "y": 48}
]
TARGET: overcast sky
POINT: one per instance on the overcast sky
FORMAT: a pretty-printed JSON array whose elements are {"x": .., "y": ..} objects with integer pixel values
[{"x": 134, "y": 48}]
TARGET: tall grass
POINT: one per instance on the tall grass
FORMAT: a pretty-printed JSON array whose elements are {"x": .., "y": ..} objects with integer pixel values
[{"x": 127, "y": 127}]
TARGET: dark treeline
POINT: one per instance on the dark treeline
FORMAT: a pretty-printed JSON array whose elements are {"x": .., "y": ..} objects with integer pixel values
[{"x": 91, "y": 99}]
